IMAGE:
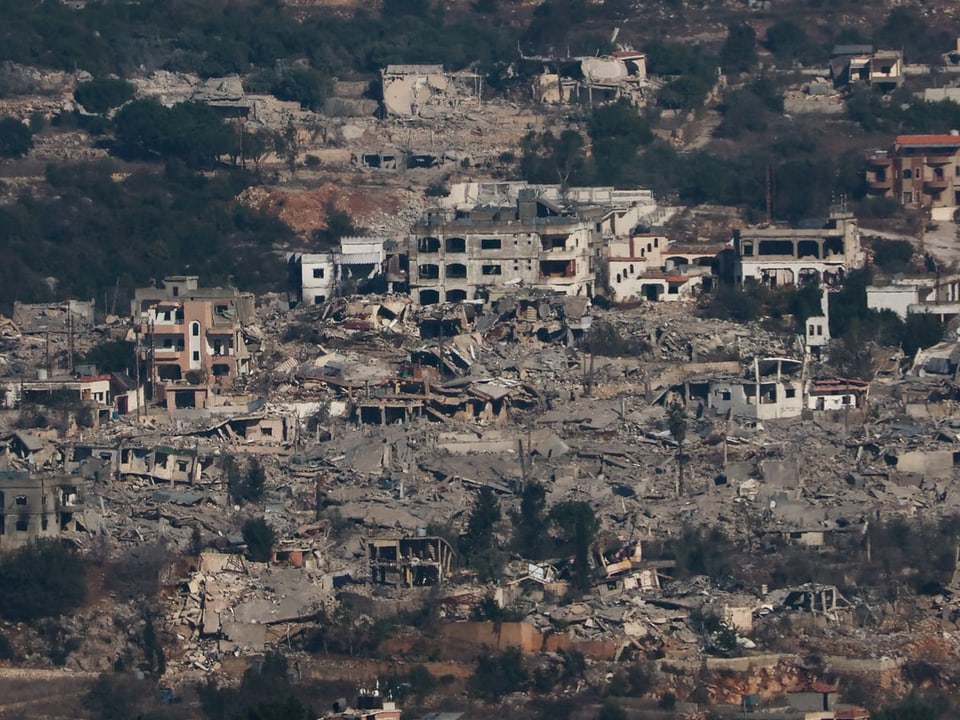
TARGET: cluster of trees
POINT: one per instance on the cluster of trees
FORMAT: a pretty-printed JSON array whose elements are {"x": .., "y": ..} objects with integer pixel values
[
  {"x": 859, "y": 327},
  {"x": 567, "y": 528},
  {"x": 50, "y": 581},
  {"x": 617, "y": 131},
  {"x": 756, "y": 301},
  {"x": 625, "y": 153},
  {"x": 212, "y": 40},
  {"x": 901, "y": 111},
  {"x": 123, "y": 233},
  {"x": 691, "y": 69}
]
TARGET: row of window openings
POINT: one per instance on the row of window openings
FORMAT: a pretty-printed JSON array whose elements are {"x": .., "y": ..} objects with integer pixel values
[
  {"x": 428, "y": 272},
  {"x": 459, "y": 245},
  {"x": 22, "y": 524},
  {"x": 177, "y": 315},
  {"x": 787, "y": 392},
  {"x": 917, "y": 174}
]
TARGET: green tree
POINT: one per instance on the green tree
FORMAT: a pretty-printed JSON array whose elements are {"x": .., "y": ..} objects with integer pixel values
[
  {"x": 155, "y": 660},
  {"x": 103, "y": 94},
  {"x": 892, "y": 256},
  {"x": 617, "y": 131},
  {"x": 478, "y": 543},
  {"x": 50, "y": 581},
  {"x": 260, "y": 538},
  {"x": 15, "y": 138},
  {"x": 684, "y": 93},
  {"x": 190, "y": 131},
  {"x": 112, "y": 356},
  {"x": 921, "y": 331},
  {"x": 307, "y": 86},
  {"x": 498, "y": 675},
  {"x": 787, "y": 41},
  {"x": 255, "y": 481},
  {"x": 549, "y": 159},
  {"x": 677, "y": 424},
  {"x": 739, "y": 52},
  {"x": 532, "y": 524},
  {"x": 578, "y": 526},
  {"x": 806, "y": 302}
]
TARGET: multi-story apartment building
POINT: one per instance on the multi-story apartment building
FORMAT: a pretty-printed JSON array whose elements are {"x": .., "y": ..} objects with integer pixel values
[
  {"x": 778, "y": 256},
  {"x": 456, "y": 254},
  {"x": 191, "y": 338},
  {"x": 919, "y": 170}
]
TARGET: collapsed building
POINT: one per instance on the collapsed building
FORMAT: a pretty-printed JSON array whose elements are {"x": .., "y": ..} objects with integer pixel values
[
  {"x": 622, "y": 73},
  {"x": 360, "y": 264},
  {"x": 410, "y": 91}
]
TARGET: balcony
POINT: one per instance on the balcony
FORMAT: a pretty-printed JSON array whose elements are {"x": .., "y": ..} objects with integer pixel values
[
  {"x": 935, "y": 160},
  {"x": 879, "y": 160},
  {"x": 878, "y": 185},
  {"x": 936, "y": 183}
]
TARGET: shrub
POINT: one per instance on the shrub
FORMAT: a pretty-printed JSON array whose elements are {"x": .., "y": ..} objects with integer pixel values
[
  {"x": 103, "y": 94},
  {"x": 498, "y": 675},
  {"x": 15, "y": 138},
  {"x": 260, "y": 538},
  {"x": 49, "y": 580}
]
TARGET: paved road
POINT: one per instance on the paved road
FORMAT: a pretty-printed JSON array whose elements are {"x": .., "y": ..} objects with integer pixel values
[{"x": 942, "y": 243}]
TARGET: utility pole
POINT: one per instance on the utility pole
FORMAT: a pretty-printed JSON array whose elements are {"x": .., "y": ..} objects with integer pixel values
[
  {"x": 136, "y": 365},
  {"x": 70, "y": 335},
  {"x": 769, "y": 184},
  {"x": 153, "y": 361}
]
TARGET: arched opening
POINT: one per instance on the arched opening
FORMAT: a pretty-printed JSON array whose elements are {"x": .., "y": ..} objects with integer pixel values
[
  {"x": 457, "y": 271},
  {"x": 456, "y": 245},
  {"x": 429, "y": 297},
  {"x": 428, "y": 272},
  {"x": 456, "y": 295},
  {"x": 428, "y": 245}
]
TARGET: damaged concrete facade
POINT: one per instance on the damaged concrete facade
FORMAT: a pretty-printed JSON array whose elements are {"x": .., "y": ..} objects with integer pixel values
[
  {"x": 315, "y": 278},
  {"x": 782, "y": 257},
  {"x": 29, "y": 506},
  {"x": 536, "y": 243},
  {"x": 411, "y": 561}
]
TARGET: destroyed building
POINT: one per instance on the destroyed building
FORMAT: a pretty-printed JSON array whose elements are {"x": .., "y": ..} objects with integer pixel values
[
  {"x": 781, "y": 257},
  {"x": 908, "y": 295},
  {"x": 410, "y": 561},
  {"x": 768, "y": 389},
  {"x": 622, "y": 73},
  {"x": 410, "y": 91},
  {"x": 191, "y": 339},
  {"x": 29, "y": 505},
  {"x": 360, "y": 264},
  {"x": 855, "y": 64}
]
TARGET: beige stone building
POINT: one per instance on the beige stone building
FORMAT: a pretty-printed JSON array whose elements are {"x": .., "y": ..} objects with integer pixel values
[{"x": 191, "y": 339}]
